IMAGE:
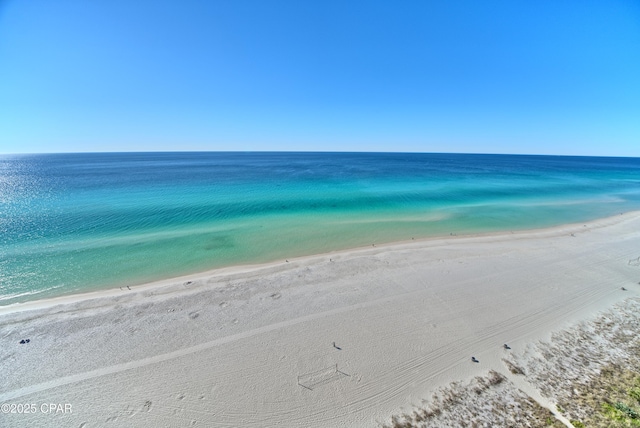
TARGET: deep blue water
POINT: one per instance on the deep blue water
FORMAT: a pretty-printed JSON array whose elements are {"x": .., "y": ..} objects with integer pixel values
[{"x": 77, "y": 222}]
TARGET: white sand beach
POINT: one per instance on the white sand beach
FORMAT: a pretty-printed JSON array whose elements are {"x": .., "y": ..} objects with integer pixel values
[{"x": 346, "y": 339}]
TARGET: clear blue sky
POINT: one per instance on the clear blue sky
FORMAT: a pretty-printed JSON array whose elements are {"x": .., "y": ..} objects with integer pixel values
[{"x": 550, "y": 77}]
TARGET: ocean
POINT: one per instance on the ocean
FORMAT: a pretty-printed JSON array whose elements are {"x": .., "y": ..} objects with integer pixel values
[{"x": 73, "y": 223}]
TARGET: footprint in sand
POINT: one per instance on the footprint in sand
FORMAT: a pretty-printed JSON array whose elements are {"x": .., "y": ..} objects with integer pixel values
[{"x": 194, "y": 315}]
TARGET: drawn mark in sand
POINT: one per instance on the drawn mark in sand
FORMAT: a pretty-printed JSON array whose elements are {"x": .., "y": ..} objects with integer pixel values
[{"x": 320, "y": 377}]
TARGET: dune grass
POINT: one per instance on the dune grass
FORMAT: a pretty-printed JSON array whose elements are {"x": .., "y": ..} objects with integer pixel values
[
  {"x": 591, "y": 372},
  {"x": 488, "y": 401}
]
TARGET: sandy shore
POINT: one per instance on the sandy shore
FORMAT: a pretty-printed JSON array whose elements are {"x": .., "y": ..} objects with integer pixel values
[{"x": 254, "y": 346}]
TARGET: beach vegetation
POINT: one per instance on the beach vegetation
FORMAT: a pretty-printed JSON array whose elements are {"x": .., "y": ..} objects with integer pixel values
[
  {"x": 489, "y": 400},
  {"x": 517, "y": 370},
  {"x": 621, "y": 413},
  {"x": 626, "y": 410},
  {"x": 591, "y": 370},
  {"x": 609, "y": 398},
  {"x": 635, "y": 394}
]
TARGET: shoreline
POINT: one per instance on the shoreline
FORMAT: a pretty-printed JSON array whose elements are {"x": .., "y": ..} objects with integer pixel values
[
  {"x": 255, "y": 345},
  {"x": 232, "y": 270}
]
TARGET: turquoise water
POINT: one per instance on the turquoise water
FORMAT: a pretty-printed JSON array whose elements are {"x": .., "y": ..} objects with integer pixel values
[{"x": 77, "y": 222}]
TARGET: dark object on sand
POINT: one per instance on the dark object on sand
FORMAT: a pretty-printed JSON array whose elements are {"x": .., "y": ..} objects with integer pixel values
[
  {"x": 23, "y": 341},
  {"x": 474, "y": 359},
  {"x": 507, "y": 346},
  {"x": 623, "y": 289}
]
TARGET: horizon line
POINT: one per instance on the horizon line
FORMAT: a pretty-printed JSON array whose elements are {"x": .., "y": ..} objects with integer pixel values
[{"x": 313, "y": 152}]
